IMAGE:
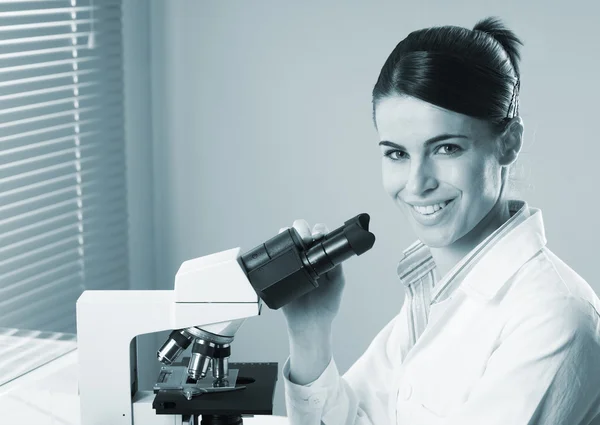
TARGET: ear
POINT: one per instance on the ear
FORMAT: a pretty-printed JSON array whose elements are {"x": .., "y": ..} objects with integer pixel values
[{"x": 511, "y": 141}]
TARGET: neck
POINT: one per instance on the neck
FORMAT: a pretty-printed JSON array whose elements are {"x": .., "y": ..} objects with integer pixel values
[{"x": 447, "y": 257}]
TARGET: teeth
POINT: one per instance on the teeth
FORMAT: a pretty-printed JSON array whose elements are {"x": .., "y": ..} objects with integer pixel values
[{"x": 430, "y": 209}]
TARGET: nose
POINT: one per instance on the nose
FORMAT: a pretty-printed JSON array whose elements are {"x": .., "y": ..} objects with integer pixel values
[{"x": 420, "y": 178}]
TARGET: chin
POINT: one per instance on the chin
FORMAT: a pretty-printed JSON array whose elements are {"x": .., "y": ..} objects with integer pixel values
[
  {"x": 434, "y": 237},
  {"x": 435, "y": 242}
]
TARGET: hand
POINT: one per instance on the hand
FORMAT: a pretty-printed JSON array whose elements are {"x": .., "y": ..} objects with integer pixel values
[{"x": 316, "y": 309}]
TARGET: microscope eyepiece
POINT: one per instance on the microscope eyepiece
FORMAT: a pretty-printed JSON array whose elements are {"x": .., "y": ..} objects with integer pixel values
[
  {"x": 336, "y": 247},
  {"x": 284, "y": 268}
]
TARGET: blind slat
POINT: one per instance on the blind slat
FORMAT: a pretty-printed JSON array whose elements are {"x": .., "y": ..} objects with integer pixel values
[
  {"x": 35, "y": 80},
  {"x": 72, "y": 125},
  {"x": 60, "y": 300},
  {"x": 51, "y": 145},
  {"x": 116, "y": 258},
  {"x": 34, "y": 181},
  {"x": 47, "y": 64},
  {"x": 61, "y": 320},
  {"x": 97, "y": 278},
  {"x": 51, "y": 103},
  {"x": 106, "y": 76},
  {"x": 63, "y": 226},
  {"x": 70, "y": 287},
  {"x": 37, "y": 39},
  {"x": 24, "y": 264},
  {"x": 86, "y": 62},
  {"x": 46, "y": 77},
  {"x": 67, "y": 157},
  {"x": 62, "y": 271},
  {"x": 47, "y": 90},
  {"x": 110, "y": 95},
  {"x": 73, "y": 50},
  {"x": 88, "y": 215},
  {"x": 55, "y": 318},
  {"x": 79, "y": 109},
  {"x": 99, "y": 57},
  {"x": 61, "y": 170},
  {"x": 70, "y": 254},
  {"x": 48, "y": 11},
  {"x": 63, "y": 202},
  {"x": 50, "y": 24},
  {"x": 26, "y": 212},
  {"x": 85, "y": 219},
  {"x": 68, "y": 113}
]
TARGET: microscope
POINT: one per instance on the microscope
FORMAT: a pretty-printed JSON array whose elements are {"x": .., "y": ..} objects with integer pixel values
[{"x": 211, "y": 298}]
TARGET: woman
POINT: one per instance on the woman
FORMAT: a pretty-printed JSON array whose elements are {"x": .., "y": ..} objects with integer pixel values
[{"x": 495, "y": 328}]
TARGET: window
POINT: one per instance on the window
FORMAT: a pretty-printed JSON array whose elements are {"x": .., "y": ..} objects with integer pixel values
[{"x": 63, "y": 214}]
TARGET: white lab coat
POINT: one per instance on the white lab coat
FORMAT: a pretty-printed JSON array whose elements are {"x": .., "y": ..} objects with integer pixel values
[{"x": 517, "y": 343}]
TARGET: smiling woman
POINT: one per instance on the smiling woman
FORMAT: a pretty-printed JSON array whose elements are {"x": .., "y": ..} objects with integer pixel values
[
  {"x": 445, "y": 171},
  {"x": 495, "y": 328}
]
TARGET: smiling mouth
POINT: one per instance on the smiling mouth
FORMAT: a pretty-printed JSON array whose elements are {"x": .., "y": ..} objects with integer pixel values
[{"x": 431, "y": 210}]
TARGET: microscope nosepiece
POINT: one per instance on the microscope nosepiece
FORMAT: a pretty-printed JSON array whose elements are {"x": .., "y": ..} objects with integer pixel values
[{"x": 177, "y": 342}]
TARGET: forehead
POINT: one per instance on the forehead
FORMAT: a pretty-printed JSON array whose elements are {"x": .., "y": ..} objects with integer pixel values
[{"x": 404, "y": 120}]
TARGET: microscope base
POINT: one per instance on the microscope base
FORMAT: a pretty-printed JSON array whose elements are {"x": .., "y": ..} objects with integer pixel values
[{"x": 226, "y": 408}]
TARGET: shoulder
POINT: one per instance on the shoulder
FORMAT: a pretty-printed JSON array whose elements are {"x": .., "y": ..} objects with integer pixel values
[
  {"x": 558, "y": 318},
  {"x": 547, "y": 288},
  {"x": 546, "y": 279}
]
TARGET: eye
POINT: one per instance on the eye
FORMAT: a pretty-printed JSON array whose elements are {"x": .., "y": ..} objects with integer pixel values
[
  {"x": 395, "y": 155},
  {"x": 449, "y": 149}
]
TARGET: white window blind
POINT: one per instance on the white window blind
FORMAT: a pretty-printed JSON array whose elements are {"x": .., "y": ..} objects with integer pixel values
[{"x": 63, "y": 215}]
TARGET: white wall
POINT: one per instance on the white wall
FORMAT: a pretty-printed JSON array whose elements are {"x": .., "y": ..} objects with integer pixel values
[{"x": 261, "y": 114}]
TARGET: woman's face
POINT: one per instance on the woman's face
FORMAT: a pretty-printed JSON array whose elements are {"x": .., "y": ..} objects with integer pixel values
[{"x": 440, "y": 167}]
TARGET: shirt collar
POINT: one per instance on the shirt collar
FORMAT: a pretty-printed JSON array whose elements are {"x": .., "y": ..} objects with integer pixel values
[{"x": 482, "y": 272}]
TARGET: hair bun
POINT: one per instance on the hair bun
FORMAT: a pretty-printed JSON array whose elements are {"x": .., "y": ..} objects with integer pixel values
[{"x": 494, "y": 27}]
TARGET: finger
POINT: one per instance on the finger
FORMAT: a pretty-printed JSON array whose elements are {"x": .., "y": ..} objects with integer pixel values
[
  {"x": 334, "y": 273},
  {"x": 319, "y": 230},
  {"x": 303, "y": 230}
]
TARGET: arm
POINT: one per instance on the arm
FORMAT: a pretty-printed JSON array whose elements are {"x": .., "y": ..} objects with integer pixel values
[
  {"x": 546, "y": 371},
  {"x": 359, "y": 397}
]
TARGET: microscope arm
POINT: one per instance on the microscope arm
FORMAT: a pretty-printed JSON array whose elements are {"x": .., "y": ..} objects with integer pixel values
[{"x": 210, "y": 292}]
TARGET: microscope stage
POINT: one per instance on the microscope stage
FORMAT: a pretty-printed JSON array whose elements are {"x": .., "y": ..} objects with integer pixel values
[
  {"x": 175, "y": 378},
  {"x": 256, "y": 399}
]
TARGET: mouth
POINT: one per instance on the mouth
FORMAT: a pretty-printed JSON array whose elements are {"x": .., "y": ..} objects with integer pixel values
[{"x": 431, "y": 211}]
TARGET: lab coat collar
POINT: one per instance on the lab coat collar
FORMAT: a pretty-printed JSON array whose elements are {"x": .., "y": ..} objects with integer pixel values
[
  {"x": 492, "y": 262},
  {"x": 505, "y": 257}
]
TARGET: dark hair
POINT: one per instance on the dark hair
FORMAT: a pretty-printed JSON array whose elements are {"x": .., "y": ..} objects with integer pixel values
[{"x": 472, "y": 72}]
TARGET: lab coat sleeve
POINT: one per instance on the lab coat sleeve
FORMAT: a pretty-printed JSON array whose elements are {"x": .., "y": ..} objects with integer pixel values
[
  {"x": 359, "y": 397},
  {"x": 546, "y": 370}
]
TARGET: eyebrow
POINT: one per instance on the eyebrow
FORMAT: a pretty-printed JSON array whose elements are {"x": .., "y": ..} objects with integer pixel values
[{"x": 428, "y": 142}]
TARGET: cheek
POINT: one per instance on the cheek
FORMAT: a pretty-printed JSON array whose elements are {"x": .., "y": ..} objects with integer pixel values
[
  {"x": 489, "y": 180},
  {"x": 393, "y": 177},
  {"x": 477, "y": 178}
]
